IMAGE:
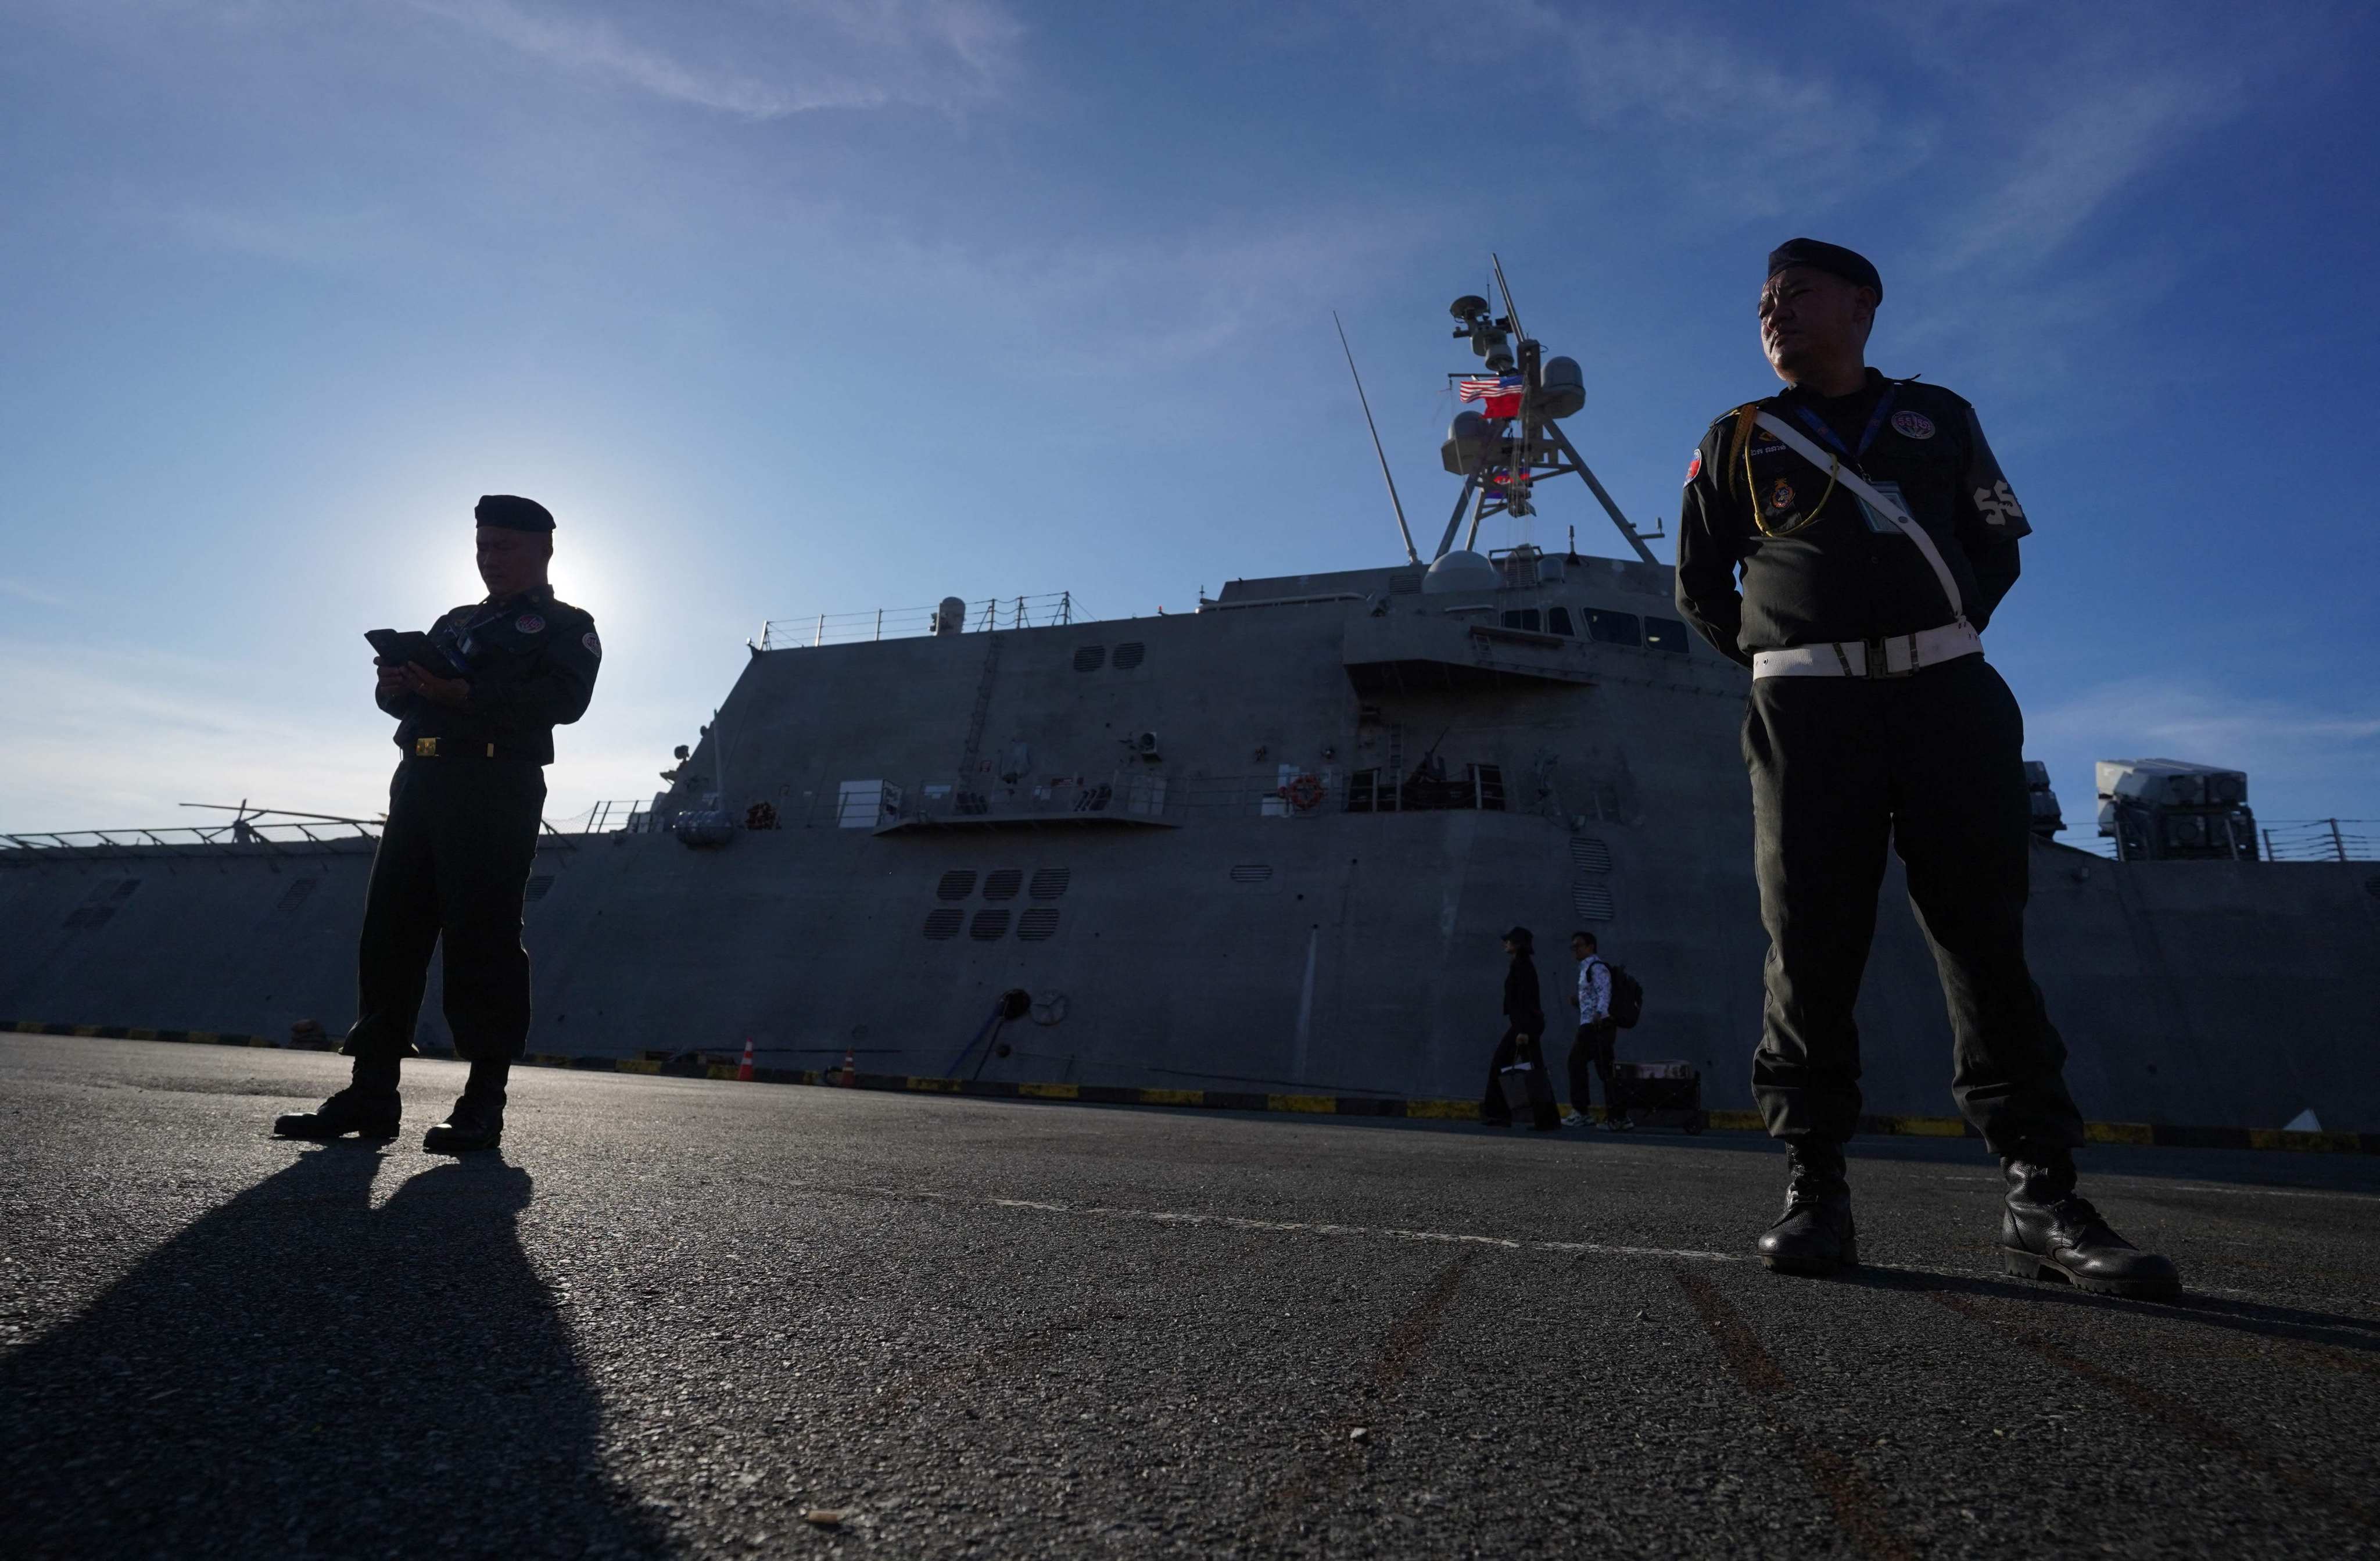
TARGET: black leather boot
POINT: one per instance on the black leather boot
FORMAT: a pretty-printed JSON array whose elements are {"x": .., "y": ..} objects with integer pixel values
[
  {"x": 478, "y": 1120},
  {"x": 1815, "y": 1235},
  {"x": 2049, "y": 1233},
  {"x": 369, "y": 1107}
]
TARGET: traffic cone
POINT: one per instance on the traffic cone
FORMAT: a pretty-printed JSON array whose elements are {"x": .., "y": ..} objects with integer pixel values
[
  {"x": 743, "y": 1073},
  {"x": 850, "y": 1067}
]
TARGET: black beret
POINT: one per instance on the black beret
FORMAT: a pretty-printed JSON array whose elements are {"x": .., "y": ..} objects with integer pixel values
[
  {"x": 512, "y": 513},
  {"x": 1833, "y": 259},
  {"x": 1520, "y": 935}
]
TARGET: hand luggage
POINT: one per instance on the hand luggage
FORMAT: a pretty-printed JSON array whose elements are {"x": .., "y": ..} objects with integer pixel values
[{"x": 1517, "y": 1082}]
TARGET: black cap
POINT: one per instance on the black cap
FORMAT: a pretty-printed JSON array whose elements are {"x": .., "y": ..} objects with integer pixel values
[
  {"x": 1523, "y": 936},
  {"x": 512, "y": 513},
  {"x": 1832, "y": 259}
]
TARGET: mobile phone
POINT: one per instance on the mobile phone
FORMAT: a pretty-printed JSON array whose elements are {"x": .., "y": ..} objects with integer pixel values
[{"x": 395, "y": 647}]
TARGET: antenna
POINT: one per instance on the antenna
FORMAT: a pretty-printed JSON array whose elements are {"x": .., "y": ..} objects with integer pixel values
[
  {"x": 1504, "y": 288},
  {"x": 1402, "y": 529}
]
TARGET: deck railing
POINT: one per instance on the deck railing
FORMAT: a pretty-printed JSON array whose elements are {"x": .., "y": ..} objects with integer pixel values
[
  {"x": 911, "y": 623},
  {"x": 2321, "y": 840}
]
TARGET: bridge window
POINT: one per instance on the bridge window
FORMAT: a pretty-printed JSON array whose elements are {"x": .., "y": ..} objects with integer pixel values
[
  {"x": 1614, "y": 628},
  {"x": 1558, "y": 622},
  {"x": 1665, "y": 634},
  {"x": 1525, "y": 617}
]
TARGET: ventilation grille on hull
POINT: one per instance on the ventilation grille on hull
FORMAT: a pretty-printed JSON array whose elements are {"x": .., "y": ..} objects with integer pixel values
[
  {"x": 1592, "y": 901},
  {"x": 1039, "y": 922},
  {"x": 956, "y": 884},
  {"x": 1589, "y": 855},
  {"x": 1089, "y": 658},
  {"x": 1128, "y": 655},
  {"x": 1251, "y": 872},
  {"x": 1003, "y": 884},
  {"x": 294, "y": 895},
  {"x": 536, "y": 887},
  {"x": 1049, "y": 883},
  {"x": 989, "y": 926},
  {"x": 944, "y": 923}
]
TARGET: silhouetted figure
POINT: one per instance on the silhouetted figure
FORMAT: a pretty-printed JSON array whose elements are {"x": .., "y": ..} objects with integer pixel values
[
  {"x": 464, "y": 813},
  {"x": 1525, "y": 1029}
]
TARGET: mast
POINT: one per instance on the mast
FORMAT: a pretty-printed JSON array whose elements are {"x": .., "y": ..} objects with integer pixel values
[{"x": 1515, "y": 441}]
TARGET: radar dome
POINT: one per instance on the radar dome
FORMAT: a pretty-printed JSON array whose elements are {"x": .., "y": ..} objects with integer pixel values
[{"x": 1460, "y": 571}]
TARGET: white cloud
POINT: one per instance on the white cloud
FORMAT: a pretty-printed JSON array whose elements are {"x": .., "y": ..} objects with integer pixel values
[
  {"x": 2147, "y": 717},
  {"x": 103, "y": 739},
  {"x": 810, "y": 55},
  {"x": 39, "y": 596},
  {"x": 2078, "y": 158}
]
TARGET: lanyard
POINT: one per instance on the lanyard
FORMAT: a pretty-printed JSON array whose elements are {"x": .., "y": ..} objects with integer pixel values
[{"x": 1875, "y": 421}]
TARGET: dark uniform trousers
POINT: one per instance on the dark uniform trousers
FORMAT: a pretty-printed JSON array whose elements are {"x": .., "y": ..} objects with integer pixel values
[
  {"x": 1933, "y": 763},
  {"x": 453, "y": 863}
]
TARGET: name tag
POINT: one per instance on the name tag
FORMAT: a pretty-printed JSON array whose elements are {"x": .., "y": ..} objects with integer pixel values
[{"x": 1877, "y": 519}]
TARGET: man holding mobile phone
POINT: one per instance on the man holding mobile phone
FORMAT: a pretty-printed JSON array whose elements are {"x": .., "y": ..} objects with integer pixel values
[{"x": 476, "y": 708}]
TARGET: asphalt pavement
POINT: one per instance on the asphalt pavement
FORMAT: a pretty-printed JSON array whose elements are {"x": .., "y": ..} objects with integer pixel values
[{"x": 679, "y": 1318}]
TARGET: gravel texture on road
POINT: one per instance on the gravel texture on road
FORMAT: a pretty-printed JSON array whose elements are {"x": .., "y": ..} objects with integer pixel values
[{"x": 702, "y": 1319}]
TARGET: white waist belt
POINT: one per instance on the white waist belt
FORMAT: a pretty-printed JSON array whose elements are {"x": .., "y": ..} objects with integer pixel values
[{"x": 1896, "y": 657}]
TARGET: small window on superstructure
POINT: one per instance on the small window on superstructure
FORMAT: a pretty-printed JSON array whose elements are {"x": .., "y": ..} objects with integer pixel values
[
  {"x": 1558, "y": 622},
  {"x": 1665, "y": 634},
  {"x": 1525, "y": 617}
]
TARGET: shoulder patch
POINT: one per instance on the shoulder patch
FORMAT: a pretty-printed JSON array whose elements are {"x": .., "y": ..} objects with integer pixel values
[
  {"x": 1694, "y": 466},
  {"x": 1913, "y": 425},
  {"x": 594, "y": 646}
]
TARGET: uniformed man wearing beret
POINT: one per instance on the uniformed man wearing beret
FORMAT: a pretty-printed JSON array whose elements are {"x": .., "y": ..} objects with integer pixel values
[
  {"x": 475, "y": 725},
  {"x": 1848, "y": 540}
]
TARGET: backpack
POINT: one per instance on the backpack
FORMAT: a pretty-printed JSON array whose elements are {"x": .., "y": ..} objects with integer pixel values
[{"x": 1627, "y": 997}]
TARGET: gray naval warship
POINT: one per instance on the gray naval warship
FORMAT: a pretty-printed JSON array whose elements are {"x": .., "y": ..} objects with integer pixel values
[{"x": 1269, "y": 846}]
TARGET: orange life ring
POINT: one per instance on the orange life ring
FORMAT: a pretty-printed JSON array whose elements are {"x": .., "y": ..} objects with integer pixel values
[{"x": 1304, "y": 793}]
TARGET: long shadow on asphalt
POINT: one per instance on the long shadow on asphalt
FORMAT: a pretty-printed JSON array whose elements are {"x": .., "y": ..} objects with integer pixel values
[
  {"x": 299, "y": 1374},
  {"x": 2361, "y": 1333}
]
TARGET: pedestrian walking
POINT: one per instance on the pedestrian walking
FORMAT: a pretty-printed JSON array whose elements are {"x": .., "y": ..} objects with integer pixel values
[
  {"x": 1848, "y": 540},
  {"x": 1591, "y": 1049},
  {"x": 1523, "y": 1039}
]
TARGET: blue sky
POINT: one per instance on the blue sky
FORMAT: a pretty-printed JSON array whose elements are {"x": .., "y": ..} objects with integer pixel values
[{"x": 789, "y": 306}]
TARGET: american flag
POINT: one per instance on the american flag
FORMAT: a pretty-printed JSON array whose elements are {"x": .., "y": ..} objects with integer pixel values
[{"x": 1502, "y": 395}]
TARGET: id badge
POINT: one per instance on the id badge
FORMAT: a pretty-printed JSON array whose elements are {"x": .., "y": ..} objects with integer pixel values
[{"x": 1877, "y": 519}]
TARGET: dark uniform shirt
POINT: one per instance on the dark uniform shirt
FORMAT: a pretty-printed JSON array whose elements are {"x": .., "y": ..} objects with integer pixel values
[
  {"x": 1835, "y": 573},
  {"x": 531, "y": 661}
]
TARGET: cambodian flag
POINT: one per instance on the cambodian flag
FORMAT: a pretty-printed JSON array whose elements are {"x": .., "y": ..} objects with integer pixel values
[{"x": 1498, "y": 397}]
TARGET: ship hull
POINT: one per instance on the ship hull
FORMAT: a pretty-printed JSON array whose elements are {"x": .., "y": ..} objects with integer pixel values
[{"x": 1131, "y": 847}]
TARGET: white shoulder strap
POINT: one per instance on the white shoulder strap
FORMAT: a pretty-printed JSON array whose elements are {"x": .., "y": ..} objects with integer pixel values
[{"x": 1801, "y": 446}]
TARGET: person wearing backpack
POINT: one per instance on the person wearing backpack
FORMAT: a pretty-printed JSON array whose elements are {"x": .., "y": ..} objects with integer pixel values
[{"x": 1599, "y": 1029}]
